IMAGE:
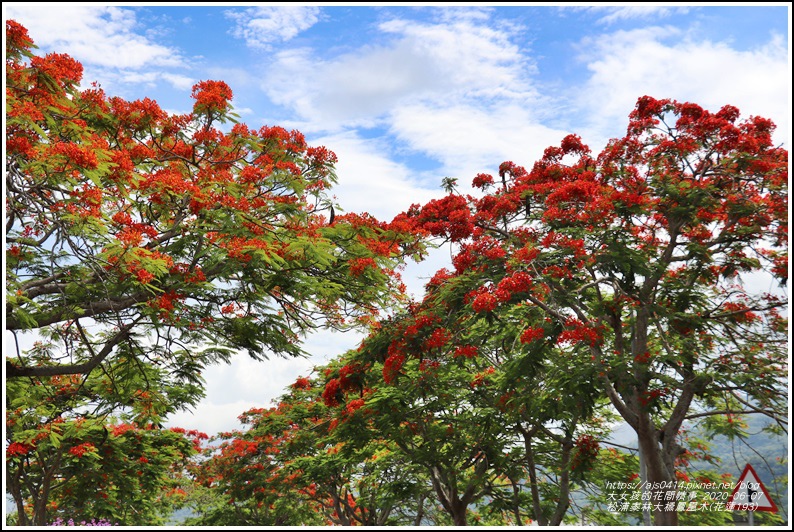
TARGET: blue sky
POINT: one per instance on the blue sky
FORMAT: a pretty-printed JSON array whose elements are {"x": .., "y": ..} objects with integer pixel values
[{"x": 407, "y": 95}]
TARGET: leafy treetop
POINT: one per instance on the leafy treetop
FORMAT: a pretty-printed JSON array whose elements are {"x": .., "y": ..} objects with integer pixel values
[{"x": 171, "y": 233}]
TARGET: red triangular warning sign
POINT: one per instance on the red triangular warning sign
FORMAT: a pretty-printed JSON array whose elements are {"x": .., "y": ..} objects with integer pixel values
[{"x": 750, "y": 494}]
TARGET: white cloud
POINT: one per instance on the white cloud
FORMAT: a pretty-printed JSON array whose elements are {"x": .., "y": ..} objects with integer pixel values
[
  {"x": 245, "y": 383},
  {"x": 112, "y": 46},
  {"x": 460, "y": 92},
  {"x": 620, "y": 13},
  {"x": 664, "y": 62},
  {"x": 178, "y": 81},
  {"x": 428, "y": 62},
  {"x": 97, "y": 35},
  {"x": 148, "y": 78},
  {"x": 470, "y": 139},
  {"x": 243, "y": 111},
  {"x": 263, "y": 26},
  {"x": 369, "y": 181}
]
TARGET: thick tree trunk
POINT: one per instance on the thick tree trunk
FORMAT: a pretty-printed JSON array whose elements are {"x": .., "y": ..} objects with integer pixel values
[
  {"x": 448, "y": 496},
  {"x": 660, "y": 479},
  {"x": 459, "y": 513}
]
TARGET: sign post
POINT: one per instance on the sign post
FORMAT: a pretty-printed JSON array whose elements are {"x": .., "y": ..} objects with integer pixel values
[{"x": 750, "y": 494}]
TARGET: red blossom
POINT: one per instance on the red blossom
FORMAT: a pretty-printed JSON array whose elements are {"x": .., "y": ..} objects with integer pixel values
[
  {"x": 531, "y": 334},
  {"x": 211, "y": 95},
  {"x": 585, "y": 453},
  {"x": 144, "y": 276},
  {"x": 359, "y": 265},
  {"x": 482, "y": 181},
  {"x": 302, "y": 384},
  {"x": 81, "y": 449},
  {"x": 392, "y": 367},
  {"x": 124, "y": 428},
  {"x": 353, "y": 405},
  {"x": 332, "y": 392},
  {"x": 739, "y": 312},
  {"x": 576, "y": 332},
  {"x": 439, "y": 338},
  {"x": 18, "y": 449},
  {"x": 62, "y": 68},
  {"x": 467, "y": 351},
  {"x": 484, "y": 302},
  {"x": 481, "y": 378},
  {"x": 17, "y": 37}
]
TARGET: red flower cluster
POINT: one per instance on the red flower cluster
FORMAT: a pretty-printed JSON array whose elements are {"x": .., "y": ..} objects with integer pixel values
[
  {"x": 531, "y": 334},
  {"x": 468, "y": 351},
  {"x": 166, "y": 301},
  {"x": 80, "y": 450},
  {"x": 439, "y": 338},
  {"x": 577, "y": 331},
  {"x": 585, "y": 453},
  {"x": 63, "y": 69},
  {"x": 79, "y": 156},
  {"x": 353, "y": 405},
  {"x": 449, "y": 217},
  {"x": 332, "y": 392},
  {"x": 516, "y": 283},
  {"x": 420, "y": 322},
  {"x": 481, "y": 378},
  {"x": 123, "y": 428},
  {"x": 18, "y": 449},
  {"x": 17, "y": 36},
  {"x": 358, "y": 265},
  {"x": 392, "y": 367},
  {"x": 484, "y": 302},
  {"x": 739, "y": 312},
  {"x": 302, "y": 384},
  {"x": 482, "y": 181},
  {"x": 211, "y": 95}
]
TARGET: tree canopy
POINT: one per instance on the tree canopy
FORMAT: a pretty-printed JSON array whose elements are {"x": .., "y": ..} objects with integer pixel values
[
  {"x": 142, "y": 246},
  {"x": 627, "y": 278},
  {"x": 184, "y": 238},
  {"x": 642, "y": 257},
  {"x": 644, "y": 283}
]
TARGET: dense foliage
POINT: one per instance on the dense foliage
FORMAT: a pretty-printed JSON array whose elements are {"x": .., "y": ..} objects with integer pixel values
[
  {"x": 642, "y": 285},
  {"x": 177, "y": 236},
  {"x": 142, "y": 246}
]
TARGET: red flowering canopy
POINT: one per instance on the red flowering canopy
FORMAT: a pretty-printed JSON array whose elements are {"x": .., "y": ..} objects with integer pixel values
[
  {"x": 134, "y": 232},
  {"x": 637, "y": 258}
]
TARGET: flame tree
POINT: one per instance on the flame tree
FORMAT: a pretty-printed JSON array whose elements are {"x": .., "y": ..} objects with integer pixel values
[
  {"x": 175, "y": 238},
  {"x": 142, "y": 246},
  {"x": 648, "y": 255}
]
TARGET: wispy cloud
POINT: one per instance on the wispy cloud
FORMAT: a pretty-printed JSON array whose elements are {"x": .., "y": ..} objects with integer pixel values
[
  {"x": 614, "y": 14},
  {"x": 433, "y": 62},
  {"x": 370, "y": 181},
  {"x": 263, "y": 26},
  {"x": 102, "y": 36},
  {"x": 113, "y": 47},
  {"x": 179, "y": 82},
  {"x": 664, "y": 62},
  {"x": 469, "y": 139}
]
